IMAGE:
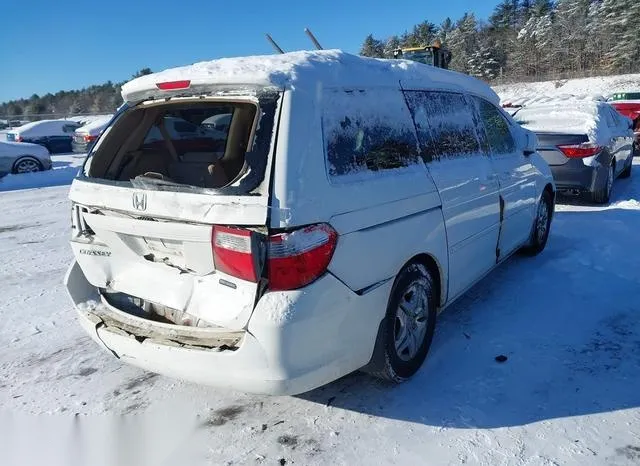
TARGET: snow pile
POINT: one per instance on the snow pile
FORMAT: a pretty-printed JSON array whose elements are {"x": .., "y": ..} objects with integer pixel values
[
  {"x": 96, "y": 126},
  {"x": 598, "y": 88},
  {"x": 305, "y": 69}
]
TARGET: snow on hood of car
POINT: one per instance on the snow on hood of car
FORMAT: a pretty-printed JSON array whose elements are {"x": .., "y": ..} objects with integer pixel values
[
  {"x": 95, "y": 127},
  {"x": 306, "y": 69},
  {"x": 567, "y": 117}
]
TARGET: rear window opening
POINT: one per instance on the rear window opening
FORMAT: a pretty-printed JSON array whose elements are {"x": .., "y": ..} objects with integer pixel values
[{"x": 187, "y": 144}]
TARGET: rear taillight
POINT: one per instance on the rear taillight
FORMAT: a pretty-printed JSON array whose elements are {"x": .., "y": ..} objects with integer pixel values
[
  {"x": 298, "y": 258},
  {"x": 294, "y": 259},
  {"x": 577, "y": 151},
  {"x": 89, "y": 138},
  {"x": 234, "y": 250}
]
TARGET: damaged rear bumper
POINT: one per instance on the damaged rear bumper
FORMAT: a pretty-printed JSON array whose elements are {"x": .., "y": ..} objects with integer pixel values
[{"x": 294, "y": 342}]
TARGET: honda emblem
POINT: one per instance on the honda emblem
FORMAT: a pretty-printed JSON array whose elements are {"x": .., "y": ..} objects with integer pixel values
[{"x": 140, "y": 201}]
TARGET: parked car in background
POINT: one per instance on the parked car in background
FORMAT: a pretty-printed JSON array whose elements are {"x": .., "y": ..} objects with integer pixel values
[
  {"x": 85, "y": 136},
  {"x": 55, "y": 135},
  {"x": 18, "y": 157},
  {"x": 510, "y": 108},
  {"x": 628, "y": 104},
  {"x": 350, "y": 201},
  {"x": 218, "y": 122},
  {"x": 587, "y": 145}
]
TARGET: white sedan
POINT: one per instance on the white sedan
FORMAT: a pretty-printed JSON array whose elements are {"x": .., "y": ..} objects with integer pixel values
[{"x": 23, "y": 157}]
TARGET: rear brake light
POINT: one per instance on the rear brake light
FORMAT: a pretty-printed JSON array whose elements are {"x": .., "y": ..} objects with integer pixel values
[
  {"x": 233, "y": 252},
  {"x": 580, "y": 150},
  {"x": 298, "y": 258},
  {"x": 89, "y": 138},
  {"x": 294, "y": 259},
  {"x": 174, "y": 85}
]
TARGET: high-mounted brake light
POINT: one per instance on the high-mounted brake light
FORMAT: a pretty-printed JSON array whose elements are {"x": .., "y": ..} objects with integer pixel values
[
  {"x": 174, "y": 85},
  {"x": 578, "y": 151},
  {"x": 294, "y": 259}
]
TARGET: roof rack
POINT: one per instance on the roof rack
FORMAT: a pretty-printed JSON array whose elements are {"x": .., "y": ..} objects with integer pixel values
[{"x": 307, "y": 31}]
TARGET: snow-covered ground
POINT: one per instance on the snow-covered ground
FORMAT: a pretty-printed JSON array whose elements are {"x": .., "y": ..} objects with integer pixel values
[
  {"x": 568, "y": 394},
  {"x": 587, "y": 88},
  {"x": 64, "y": 170}
]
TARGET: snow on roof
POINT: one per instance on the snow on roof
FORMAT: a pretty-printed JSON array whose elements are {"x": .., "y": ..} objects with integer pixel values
[
  {"x": 95, "y": 126},
  {"x": 305, "y": 69},
  {"x": 43, "y": 127},
  {"x": 565, "y": 116}
]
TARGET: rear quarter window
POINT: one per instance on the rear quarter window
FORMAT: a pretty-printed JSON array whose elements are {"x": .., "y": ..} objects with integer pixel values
[
  {"x": 494, "y": 127},
  {"x": 367, "y": 134},
  {"x": 445, "y": 124}
]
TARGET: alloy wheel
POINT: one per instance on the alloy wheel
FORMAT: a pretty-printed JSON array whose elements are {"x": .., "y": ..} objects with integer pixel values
[{"x": 411, "y": 320}]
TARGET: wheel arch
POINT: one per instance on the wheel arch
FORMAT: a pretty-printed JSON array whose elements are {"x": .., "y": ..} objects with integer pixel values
[
  {"x": 435, "y": 270},
  {"x": 549, "y": 189},
  {"x": 377, "y": 361}
]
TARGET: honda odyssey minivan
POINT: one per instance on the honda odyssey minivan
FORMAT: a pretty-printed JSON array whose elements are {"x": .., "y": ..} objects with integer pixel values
[{"x": 346, "y": 203}]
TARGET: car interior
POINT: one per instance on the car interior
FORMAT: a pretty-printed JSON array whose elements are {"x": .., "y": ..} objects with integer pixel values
[{"x": 169, "y": 142}]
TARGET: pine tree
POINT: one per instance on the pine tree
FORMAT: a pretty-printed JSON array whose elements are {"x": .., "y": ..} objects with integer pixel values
[
  {"x": 393, "y": 43},
  {"x": 372, "y": 47},
  {"x": 141, "y": 72},
  {"x": 463, "y": 42},
  {"x": 542, "y": 7},
  {"x": 445, "y": 29},
  {"x": 505, "y": 15},
  {"x": 621, "y": 24},
  {"x": 424, "y": 33}
]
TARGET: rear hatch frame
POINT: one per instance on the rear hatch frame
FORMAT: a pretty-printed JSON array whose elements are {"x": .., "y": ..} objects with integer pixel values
[{"x": 114, "y": 221}]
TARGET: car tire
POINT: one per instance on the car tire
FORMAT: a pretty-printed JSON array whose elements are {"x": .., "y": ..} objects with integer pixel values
[
  {"x": 626, "y": 173},
  {"x": 26, "y": 164},
  {"x": 541, "y": 226},
  {"x": 406, "y": 331},
  {"x": 603, "y": 195}
]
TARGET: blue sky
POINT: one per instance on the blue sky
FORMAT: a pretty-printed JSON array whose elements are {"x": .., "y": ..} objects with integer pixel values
[{"x": 47, "y": 46}]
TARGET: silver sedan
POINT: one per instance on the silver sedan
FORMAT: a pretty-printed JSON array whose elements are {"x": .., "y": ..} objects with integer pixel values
[{"x": 22, "y": 157}]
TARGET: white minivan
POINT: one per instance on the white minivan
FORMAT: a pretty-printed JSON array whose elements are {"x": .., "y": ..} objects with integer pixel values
[{"x": 347, "y": 202}]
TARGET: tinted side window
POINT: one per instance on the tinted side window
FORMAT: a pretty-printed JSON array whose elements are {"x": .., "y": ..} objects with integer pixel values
[
  {"x": 445, "y": 124},
  {"x": 367, "y": 131},
  {"x": 69, "y": 128},
  {"x": 496, "y": 128}
]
